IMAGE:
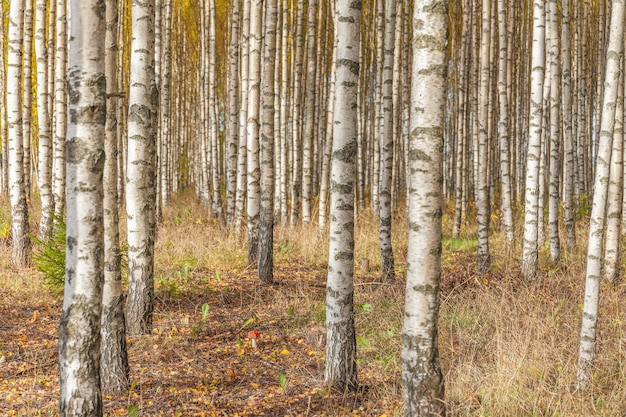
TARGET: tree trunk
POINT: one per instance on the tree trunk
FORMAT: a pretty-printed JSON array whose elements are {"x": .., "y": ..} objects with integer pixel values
[
  {"x": 530, "y": 253},
  {"x": 422, "y": 379},
  {"x": 140, "y": 171},
  {"x": 615, "y": 49},
  {"x": 19, "y": 208},
  {"x": 79, "y": 330},
  {"x": 266, "y": 224},
  {"x": 43, "y": 120},
  {"x": 114, "y": 372},
  {"x": 60, "y": 109},
  {"x": 252, "y": 131},
  {"x": 341, "y": 367},
  {"x": 27, "y": 91}
]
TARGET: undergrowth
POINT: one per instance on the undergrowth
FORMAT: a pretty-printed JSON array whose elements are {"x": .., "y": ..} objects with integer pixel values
[{"x": 507, "y": 347}]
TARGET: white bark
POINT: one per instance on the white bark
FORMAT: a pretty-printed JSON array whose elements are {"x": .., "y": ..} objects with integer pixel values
[
  {"x": 482, "y": 185},
  {"x": 79, "y": 330},
  {"x": 422, "y": 379},
  {"x": 27, "y": 91},
  {"x": 341, "y": 372},
  {"x": 44, "y": 170},
  {"x": 530, "y": 252},
  {"x": 140, "y": 171},
  {"x": 266, "y": 224},
  {"x": 60, "y": 108},
  {"x": 19, "y": 208},
  {"x": 614, "y": 54}
]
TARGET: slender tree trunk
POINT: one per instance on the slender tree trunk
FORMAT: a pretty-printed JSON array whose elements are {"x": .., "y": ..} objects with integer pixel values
[
  {"x": 252, "y": 131},
  {"x": 615, "y": 193},
  {"x": 79, "y": 330},
  {"x": 614, "y": 54},
  {"x": 140, "y": 171},
  {"x": 233, "y": 113},
  {"x": 27, "y": 91},
  {"x": 555, "y": 133},
  {"x": 530, "y": 253},
  {"x": 503, "y": 128},
  {"x": 422, "y": 379},
  {"x": 19, "y": 208},
  {"x": 482, "y": 188},
  {"x": 114, "y": 372},
  {"x": 341, "y": 367},
  {"x": 296, "y": 122},
  {"x": 44, "y": 180},
  {"x": 266, "y": 224},
  {"x": 60, "y": 109},
  {"x": 568, "y": 138},
  {"x": 4, "y": 161},
  {"x": 310, "y": 113}
]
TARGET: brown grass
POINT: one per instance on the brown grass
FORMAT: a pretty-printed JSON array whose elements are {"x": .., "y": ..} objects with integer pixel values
[{"x": 507, "y": 347}]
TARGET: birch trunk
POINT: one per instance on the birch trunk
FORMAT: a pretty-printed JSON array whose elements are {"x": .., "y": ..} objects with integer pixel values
[
  {"x": 530, "y": 251},
  {"x": 140, "y": 171},
  {"x": 503, "y": 127},
  {"x": 482, "y": 186},
  {"x": 44, "y": 168},
  {"x": 614, "y": 54},
  {"x": 555, "y": 133},
  {"x": 4, "y": 161},
  {"x": 19, "y": 208},
  {"x": 310, "y": 113},
  {"x": 233, "y": 112},
  {"x": 568, "y": 139},
  {"x": 422, "y": 379},
  {"x": 615, "y": 193},
  {"x": 27, "y": 91},
  {"x": 266, "y": 224},
  {"x": 386, "y": 143},
  {"x": 79, "y": 330},
  {"x": 60, "y": 109},
  {"x": 114, "y": 372},
  {"x": 341, "y": 367}
]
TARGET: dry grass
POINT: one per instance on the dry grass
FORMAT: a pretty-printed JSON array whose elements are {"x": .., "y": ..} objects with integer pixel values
[{"x": 507, "y": 347}]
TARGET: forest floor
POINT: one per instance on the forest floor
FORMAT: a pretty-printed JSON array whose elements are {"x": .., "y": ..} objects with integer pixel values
[{"x": 507, "y": 347}]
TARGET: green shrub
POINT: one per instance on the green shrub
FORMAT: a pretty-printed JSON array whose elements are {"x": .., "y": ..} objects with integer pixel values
[{"x": 49, "y": 256}]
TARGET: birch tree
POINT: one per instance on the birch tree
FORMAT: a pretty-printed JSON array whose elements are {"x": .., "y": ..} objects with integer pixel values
[
  {"x": 386, "y": 143},
  {"x": 79, "y": 330},
  {"x": 115, "y": 372},
  {"x": 27, "y": 91},
  {"x": 20, "y": 228},
  {"x": 530, "y": 252},
  {"x": 341, "y": 372},
  {"x": 43, "y": 120},
  {"x": 60, "y": 108},
  {"x": 482, "y": 186},
  {"x": 422, "y": 379},
  {"x": 140, "y": 171},
  {"x": 613, "y": 58},
  {"x": 266, "y": 224},
  {"x": 252, "y": 130}
]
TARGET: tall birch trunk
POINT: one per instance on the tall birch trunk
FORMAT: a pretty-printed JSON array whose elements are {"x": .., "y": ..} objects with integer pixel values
[
  {"x": 27, "y": 91},
  {"x": 341, "y": 367},
  {"x": 310, "y": 113},
  {"x": 252, "y": 130},
  {"x": 482, "y": 186},
  {"x": 614, "y": 55},
  {"x": 422, "y": 379},
  {"x": 60, "y": 109},
  {"x": 386, "y": 143},
  {"x": 114, "y": 372},
  {"x": 140, "y": 171},
  {"x": 233, "y": 112},
  {"x": 503, "y": 127},
  {"x": 79, "y": 330},
  {"x": 44, "y": 168},
  {"x": 555, "y": 133},
  {"x": 266, "y": 223},
  {"x": 20, "y": 228},
  {"x": 530, "y": 252}
]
